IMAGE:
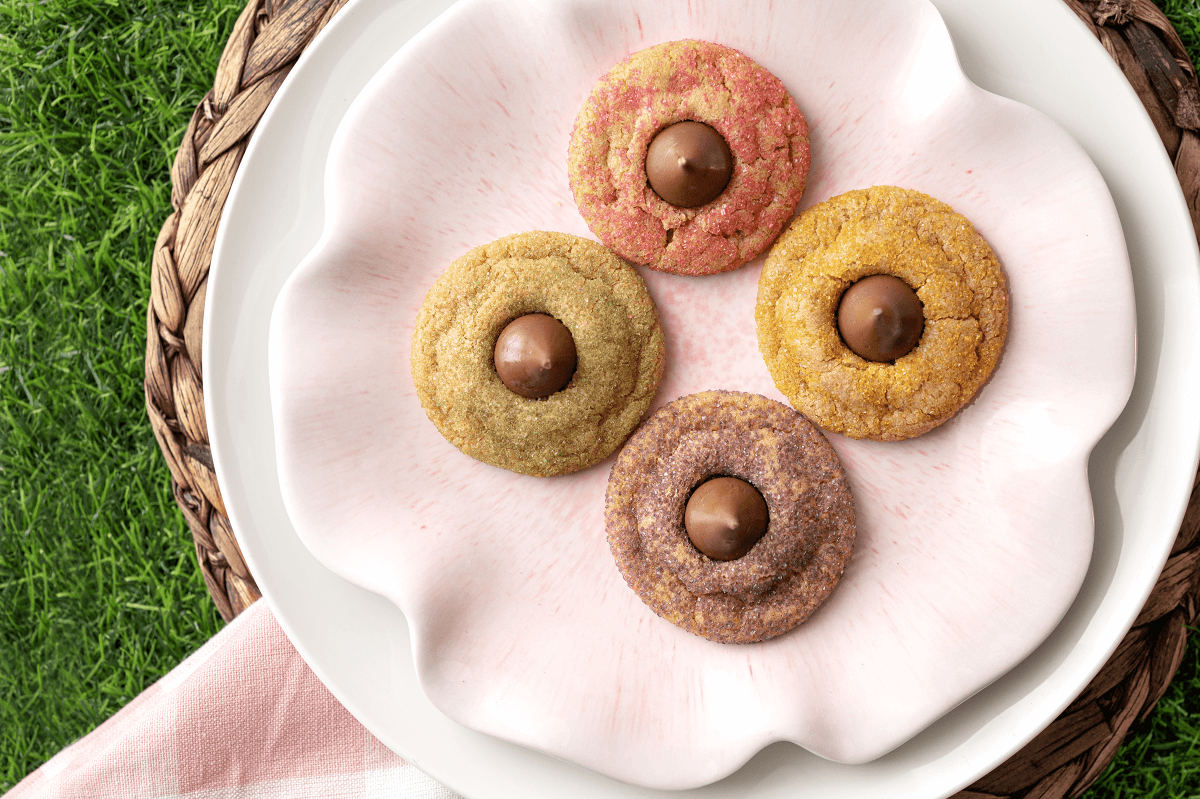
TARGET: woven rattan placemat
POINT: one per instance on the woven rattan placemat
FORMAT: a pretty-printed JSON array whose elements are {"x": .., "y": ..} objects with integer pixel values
[{"x": 266, "y": 41}]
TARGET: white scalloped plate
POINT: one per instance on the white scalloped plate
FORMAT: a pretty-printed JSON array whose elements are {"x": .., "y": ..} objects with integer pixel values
[{"x": 973, "y": 539}]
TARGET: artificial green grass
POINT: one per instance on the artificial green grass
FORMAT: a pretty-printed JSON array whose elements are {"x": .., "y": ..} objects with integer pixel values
[
  {"x": 99, "y": 591},
  {"x": 1160, "y": 758}
]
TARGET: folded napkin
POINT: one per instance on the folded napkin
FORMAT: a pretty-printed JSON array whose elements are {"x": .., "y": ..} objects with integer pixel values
[{"x": 242, "y": 717}]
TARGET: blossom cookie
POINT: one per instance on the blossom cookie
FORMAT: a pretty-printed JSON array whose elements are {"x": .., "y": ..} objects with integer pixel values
[{"x": 754, "y": 122}]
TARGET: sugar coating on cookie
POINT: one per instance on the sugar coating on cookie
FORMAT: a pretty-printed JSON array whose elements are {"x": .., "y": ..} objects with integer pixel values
[
  {"x": 788, "y": 573},
  {"x": 675, "y": 82},
  {"x": 619, "y": 342},
  {"x": 937, "y": 252}
]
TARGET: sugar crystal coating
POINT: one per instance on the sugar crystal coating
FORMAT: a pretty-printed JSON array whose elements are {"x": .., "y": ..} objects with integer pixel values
[
  {"x": 675, "y": 82},
  {"x": 612, "y": 320},
  {"x": 784, "y": 577},
  {"x": 922, "y": 241}
]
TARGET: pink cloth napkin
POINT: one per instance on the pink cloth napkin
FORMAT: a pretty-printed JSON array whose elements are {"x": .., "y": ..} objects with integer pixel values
[{"x": 242, "y": 717}]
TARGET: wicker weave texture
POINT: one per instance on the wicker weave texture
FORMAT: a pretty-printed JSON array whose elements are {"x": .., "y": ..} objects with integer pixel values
[{"x": 264, "y": 45}]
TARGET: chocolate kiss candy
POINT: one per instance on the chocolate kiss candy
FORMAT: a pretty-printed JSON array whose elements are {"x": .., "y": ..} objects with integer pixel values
[
  {"x": 725, "y": 517},
  {"x": 880, "y": 318},
  {"x": 688, "y": 164},
  {"x": 535, "y": 355}
]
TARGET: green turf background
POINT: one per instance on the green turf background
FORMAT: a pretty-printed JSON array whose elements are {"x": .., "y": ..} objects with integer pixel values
[{"x": 99, "y": 591}]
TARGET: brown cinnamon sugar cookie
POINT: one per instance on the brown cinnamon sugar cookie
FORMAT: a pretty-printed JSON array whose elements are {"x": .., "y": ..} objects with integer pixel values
[
  {"x": 619, "y": 343},
  {"x": 674, "y": 82},
  {"x": 788, "y": 573},
  {"x": 891, "y": 231}
]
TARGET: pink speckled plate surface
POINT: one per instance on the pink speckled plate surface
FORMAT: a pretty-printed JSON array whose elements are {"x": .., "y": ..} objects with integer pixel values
[{"x": 973, "y": 539}]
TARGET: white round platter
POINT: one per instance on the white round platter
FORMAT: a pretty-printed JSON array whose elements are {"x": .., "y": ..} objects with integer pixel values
[{"x": 1035, "y": 52}]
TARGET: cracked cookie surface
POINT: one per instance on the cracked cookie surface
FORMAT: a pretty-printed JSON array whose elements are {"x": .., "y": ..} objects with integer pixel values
[
  {"x": 619, "y": 342},
  {"x": 788, "y": 573},
  {"x": 674, "y": 82},
  {"x": 881, "y": 230}
]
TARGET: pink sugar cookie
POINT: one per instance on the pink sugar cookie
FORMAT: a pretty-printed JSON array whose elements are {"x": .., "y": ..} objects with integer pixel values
[{"x": 673, "y": 82}]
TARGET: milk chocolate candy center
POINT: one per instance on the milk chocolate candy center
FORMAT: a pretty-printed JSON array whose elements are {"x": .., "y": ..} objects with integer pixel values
[
  {"x": 535, "y": 356},
  {"x": 725, "y": 517},
  {"x": 688, "y": 164},
  {"x": 880, "y": 318}
]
